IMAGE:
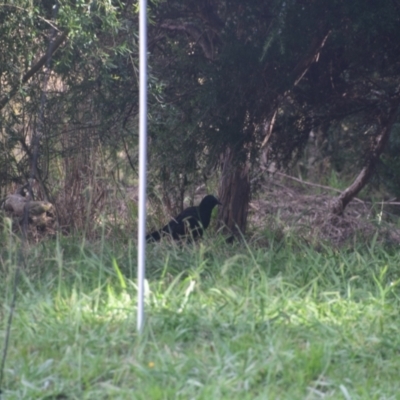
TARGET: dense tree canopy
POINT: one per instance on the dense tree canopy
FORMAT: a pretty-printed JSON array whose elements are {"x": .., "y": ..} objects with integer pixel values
[
  {"x": 231, "y": 82},
  {"x": 260, "y": 75}
]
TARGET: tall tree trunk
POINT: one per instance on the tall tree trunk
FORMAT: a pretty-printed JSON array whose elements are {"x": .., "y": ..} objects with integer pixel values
[
  {"x": 364, "y": 176},
  {"x": 234, "y": 194}
]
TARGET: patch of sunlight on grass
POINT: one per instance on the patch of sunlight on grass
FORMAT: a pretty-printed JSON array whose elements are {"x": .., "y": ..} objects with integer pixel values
[{"x": 233, "y": 322}]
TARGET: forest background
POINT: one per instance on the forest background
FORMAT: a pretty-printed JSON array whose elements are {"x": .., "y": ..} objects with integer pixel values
[
  {"x": 235, "y": 91},
  {"x": 287, "y": 110}
]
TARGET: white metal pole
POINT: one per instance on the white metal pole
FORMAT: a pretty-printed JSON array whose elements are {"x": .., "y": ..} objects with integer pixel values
[{"x": 142, "y": 159}]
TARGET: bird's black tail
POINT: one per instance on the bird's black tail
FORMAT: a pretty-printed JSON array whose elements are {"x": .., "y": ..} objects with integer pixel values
[{"x": 153, "y": 236}]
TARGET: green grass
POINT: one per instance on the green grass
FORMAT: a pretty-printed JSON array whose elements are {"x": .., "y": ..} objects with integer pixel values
[{"x": 222, "y": 322}]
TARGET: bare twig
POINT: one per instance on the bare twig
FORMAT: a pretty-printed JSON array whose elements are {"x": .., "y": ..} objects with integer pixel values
[
  {"x": 43, "y": 60},
  {"x": 314, "y": 184}
]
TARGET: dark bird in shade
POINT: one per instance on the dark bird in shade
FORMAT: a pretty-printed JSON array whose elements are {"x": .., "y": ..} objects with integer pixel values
[{"x": 189, "y": 223}]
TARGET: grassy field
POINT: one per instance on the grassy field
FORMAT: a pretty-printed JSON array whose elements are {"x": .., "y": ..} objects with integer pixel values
[{"x": 222, "y": 322}]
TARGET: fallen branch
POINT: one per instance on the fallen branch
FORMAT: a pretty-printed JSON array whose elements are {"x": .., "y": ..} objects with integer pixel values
[
  {"x": 314, "y": 185},
  {"x": 364, "y": 176}
]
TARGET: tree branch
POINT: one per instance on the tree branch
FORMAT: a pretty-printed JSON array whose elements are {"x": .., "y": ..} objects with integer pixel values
[
  {"x": 43, "y": 60},
  {"x": 312, "y": 56},
  {"x": 363, "y": 177},
  {"x": 313, "y": 184},
  {"x": 298, "y": 73}
]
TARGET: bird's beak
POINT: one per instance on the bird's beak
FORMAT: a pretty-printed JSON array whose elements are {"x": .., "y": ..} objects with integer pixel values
[{"x": 219, "y": 203}]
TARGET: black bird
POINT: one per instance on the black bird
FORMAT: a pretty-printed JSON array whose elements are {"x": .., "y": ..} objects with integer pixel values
[{"x": 190, "y": 222}]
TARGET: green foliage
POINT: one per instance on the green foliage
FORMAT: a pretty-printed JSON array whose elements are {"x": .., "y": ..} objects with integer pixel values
[
  {"x": 219, "y": 72},
  {"x": 83, "y": 101},
  {"x": 262, "y": 58},
  {"x": 221, "y": 321}
]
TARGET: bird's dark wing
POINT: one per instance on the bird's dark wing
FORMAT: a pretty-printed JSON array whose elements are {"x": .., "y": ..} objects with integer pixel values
[
  {"x": 174, "y": 228},
  {"x": 189, "y": 214},
  {"x": 153, "y": 236},
  {"x": 189, "y": 223},
  {"x": 184, "y": 225},
  {"x": 185, "y": 222}
]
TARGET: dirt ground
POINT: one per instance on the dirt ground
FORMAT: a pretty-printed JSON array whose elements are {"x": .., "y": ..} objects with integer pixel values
[
  {"x": 285, "y": 206},
  {"x": 281, "y": 206}
]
